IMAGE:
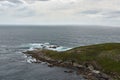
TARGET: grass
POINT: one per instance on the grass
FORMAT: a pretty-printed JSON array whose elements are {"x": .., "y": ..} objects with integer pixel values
[{"x": 106, "y": 56}]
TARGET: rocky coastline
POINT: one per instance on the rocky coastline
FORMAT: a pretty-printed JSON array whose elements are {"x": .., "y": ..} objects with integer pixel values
[{"x": 87, "y": 70}]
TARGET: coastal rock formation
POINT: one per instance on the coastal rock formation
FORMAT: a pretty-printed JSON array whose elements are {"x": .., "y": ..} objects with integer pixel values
[{"x": 94, "y": 62}]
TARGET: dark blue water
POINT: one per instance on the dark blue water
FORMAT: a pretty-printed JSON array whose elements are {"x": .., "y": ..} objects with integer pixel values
[
  {"x": 13, "y": 65},
  {"x": 66, "y": 36}
]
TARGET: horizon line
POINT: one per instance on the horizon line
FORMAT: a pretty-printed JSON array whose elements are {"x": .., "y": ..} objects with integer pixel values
[{"x": 55, "y": 25}]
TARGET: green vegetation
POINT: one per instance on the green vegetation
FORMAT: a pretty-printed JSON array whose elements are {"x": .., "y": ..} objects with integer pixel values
[{"x": 105, "y": 57}]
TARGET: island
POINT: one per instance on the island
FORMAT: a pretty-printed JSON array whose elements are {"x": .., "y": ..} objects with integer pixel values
[{"x": 94, "y": 62}]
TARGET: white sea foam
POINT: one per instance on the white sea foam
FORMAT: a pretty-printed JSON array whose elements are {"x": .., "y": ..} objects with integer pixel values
[
  {"x": 33, "y": 46},
  {"x": 31, "y": 60},
  {"x": 48, "y": 46}
]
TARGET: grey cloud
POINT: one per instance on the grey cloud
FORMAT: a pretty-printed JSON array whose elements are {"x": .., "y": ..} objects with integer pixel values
[
  {"x": 10, "y": 3},
  {"x": 105, "y": 14},
  {"x": 16, "y": 8},
  {"x": 37, "y": 0},
  {"x": 112, "y": 14},
  {"x": 13, "y": 1},
  {"x": 32, "y": 1},
  {"x": 20, "y": 2},
  {"x": 90, "y": 12},
  {"x": 42, "y": 0}
]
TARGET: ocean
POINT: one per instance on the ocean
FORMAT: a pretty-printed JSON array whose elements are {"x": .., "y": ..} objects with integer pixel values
[{"x": 16, "y": 39}]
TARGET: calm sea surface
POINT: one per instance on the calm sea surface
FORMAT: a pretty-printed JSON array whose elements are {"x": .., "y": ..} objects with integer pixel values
[{"x": 13, "y": 65}]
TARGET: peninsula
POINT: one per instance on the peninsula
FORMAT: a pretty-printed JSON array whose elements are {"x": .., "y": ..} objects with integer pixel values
[{"x": 94, "y": 62}]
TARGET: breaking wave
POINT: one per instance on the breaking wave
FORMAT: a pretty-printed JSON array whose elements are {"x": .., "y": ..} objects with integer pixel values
[
  {"x": 33, "y": 46},
  {"x": 48, "y": 46}
]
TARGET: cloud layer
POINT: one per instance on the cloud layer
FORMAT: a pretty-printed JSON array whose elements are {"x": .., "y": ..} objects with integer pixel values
[{"x": 83, "y": 12}]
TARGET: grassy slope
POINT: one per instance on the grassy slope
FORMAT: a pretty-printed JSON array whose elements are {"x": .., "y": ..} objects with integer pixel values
[{"x": 106, "y": 56}]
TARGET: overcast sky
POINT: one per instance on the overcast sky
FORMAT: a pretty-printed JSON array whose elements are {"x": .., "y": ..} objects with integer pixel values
[{"x": 82, "y": 12}]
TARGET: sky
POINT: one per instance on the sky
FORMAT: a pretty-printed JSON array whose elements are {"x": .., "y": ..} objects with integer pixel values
[{"x": 60, "y": 12}]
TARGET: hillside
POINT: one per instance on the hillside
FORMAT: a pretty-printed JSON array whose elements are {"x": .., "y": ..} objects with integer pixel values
[{"x": 103, "y": 57}]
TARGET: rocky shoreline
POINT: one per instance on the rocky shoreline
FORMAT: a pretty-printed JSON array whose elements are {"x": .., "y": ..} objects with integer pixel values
[{"x": 87, "y": 70}]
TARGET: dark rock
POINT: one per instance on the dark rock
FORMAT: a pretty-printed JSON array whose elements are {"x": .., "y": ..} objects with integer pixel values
[
  {"x": 68, "y": 71},
  {"x": 50, "y": 65},
  {"x": 102, "y": 76}
]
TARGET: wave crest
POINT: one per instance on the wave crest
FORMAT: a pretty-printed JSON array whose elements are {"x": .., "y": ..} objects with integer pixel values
[{"x": 32, "y": 46}]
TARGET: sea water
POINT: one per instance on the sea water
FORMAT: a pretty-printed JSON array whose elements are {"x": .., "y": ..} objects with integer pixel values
[{"x": 14, "y": 65}]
